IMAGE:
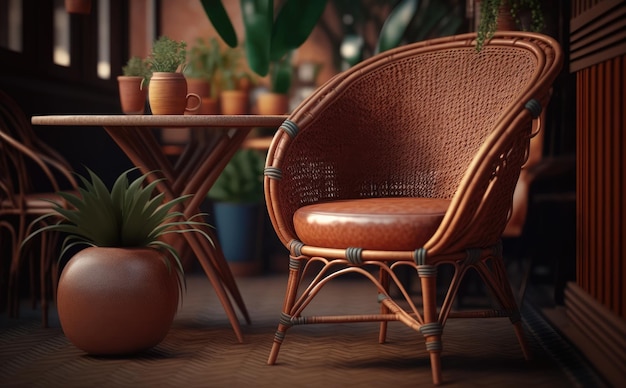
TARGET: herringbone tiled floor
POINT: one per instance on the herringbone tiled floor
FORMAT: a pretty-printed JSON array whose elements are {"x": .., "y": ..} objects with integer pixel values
[{"x": 201, "y": 350}]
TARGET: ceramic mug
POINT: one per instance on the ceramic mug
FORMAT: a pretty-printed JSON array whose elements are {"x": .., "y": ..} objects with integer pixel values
[{"x": 168, "y": 95}]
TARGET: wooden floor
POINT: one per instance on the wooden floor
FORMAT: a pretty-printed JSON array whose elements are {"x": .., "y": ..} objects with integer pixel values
[{"x": 201, "y": 350}]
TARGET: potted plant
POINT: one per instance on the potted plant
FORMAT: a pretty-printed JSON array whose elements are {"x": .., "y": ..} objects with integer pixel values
[
  {"x": 234, "y": 93},
  {"x": 201, "y": 73},
  {"x": 237, "y": 197},
  {"x": 121, "y": 293},
  {"x": 507, "y": 15},
  {"x": 276, "y": 100},
  {"x": 133, "y": 84},
  {"x": 168, "y": 88}
]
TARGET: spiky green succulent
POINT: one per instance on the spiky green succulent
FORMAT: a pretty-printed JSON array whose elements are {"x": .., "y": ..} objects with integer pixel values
[{"x": 127, "y": 216}]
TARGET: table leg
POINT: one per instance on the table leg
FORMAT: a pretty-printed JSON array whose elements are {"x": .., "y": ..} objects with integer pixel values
[{"x": 140, "y": 145}]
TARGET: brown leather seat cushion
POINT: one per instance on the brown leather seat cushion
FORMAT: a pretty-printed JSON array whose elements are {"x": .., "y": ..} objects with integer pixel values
[{"x": 373, "y": 223}]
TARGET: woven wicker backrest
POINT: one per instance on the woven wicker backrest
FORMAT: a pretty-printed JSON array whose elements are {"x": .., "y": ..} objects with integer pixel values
[{"x": 408, "y": 123}]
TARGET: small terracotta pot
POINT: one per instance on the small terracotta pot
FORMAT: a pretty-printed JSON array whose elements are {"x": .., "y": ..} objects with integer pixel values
[
  {"x": 234, "y": 102},
  {"x": 209, "y": 106},
  {"x": 168, "y": 94},
  {"x": 82, "y": 7},
  {"x": 273, "y": 104},
  {"x": 505, "y": 19},
  {"x": 199, "y": 86},
  {"x": 116, "y": 301},
  {"x": 132, "y": 94}
]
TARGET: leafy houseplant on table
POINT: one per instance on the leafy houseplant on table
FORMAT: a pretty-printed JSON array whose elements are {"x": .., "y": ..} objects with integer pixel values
[
  {"x": 234, "y": 94},
  {"x": 121, "y": 293},
  {"x": 276, "y": 100},
  {"x": 168, "y": 88},
  {"x": 507, "y": 15},
  {"x": 237, "y": 197},
  {"x": 201, "y": 73},
  {"x": 133, "y": 84}
]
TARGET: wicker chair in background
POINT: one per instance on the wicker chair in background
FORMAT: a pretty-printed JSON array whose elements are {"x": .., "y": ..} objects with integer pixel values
[
  {"x": 410, "y": 159},
  {"x": 31, "y": 174}
]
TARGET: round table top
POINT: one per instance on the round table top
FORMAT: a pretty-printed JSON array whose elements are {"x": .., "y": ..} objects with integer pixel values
[{"x": 221, "y": 121}]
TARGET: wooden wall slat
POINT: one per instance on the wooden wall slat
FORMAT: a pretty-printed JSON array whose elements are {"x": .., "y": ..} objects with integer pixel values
[
  {"x": 619, "y": 180},
  {"x": 601, "y": 255},
  {"x": 597, "y": 32}
]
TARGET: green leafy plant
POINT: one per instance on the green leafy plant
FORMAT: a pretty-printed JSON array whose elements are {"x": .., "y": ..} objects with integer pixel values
[
  {"x": 231, "y": 69},
  {"x": 137, "y": 67},
  {"x": 168, "y": 55},
  {"x": 281, "y": 73},
  {"x": 413, "y": 21},
  {"x": 490, "y": 9},
  {"x": 269, "y": 37},
  {"x": 127, "y": 216},
  {"x": 242, "y": 179},
  {"x": 204, "y": 61}
]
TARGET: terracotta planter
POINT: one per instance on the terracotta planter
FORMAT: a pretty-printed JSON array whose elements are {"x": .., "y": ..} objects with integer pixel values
[
  {"x": 116, "y": 301},
  {"x": 199, "y": 86},
  {"x": 505, "y": 19},
  {"x": 168, "y": 95},
  {"x": 132, "y": 94},
  {"x": 234, "y": 102},
  {"x": 273, "y": 104},
  {"x": 82, "y": 7},
  {"x": 209, "y": 106}
]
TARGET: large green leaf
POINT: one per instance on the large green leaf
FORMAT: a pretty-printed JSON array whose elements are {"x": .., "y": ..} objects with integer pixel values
[
  {"x": 396, "y": 25},
  {"x": 293, "y": 25},
  {"x": 221, "y": 21},
  {"x": 258, "y": 18},
  {"x": 281, "y": 74},
  {"x": 429, "y": 21}
]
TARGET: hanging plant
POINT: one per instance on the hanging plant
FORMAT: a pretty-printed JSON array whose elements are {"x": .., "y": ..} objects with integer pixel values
[{"x": 490, "y": 11}]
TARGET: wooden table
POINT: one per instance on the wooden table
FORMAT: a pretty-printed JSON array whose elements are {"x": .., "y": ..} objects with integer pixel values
[{"x": 193, "y": 172}]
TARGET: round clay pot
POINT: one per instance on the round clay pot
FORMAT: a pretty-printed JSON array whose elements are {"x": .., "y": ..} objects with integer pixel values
[
  {"x": 273, "y": 104},
  {"x": 199, "y": 86},
  {"x": 209, "y": 106},
  {"x": 117, "y": 301},
  {"x": 234, "y": 102},
  {"x": 168, "y": 94},
  {"x": 132, "y": 94}
]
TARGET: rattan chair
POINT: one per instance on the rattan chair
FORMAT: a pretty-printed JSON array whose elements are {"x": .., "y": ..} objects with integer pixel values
[
  {"x": 409, "y": 159},
  {"x": 31, "y": 174}
]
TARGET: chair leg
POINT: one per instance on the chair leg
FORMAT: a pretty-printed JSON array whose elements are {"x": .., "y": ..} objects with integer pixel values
[
  {"x": 525, "y": 279},
  {"x": 498, "y": 283},
  {"x": 43, "y": 284},
  {"x": 521, "y": 338},
  {"x": 383, "y": 277},
  {"x": 431, "y": 329},
  {"x": 290, "y": 296},
  {"x": 13, "y": 288}
]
